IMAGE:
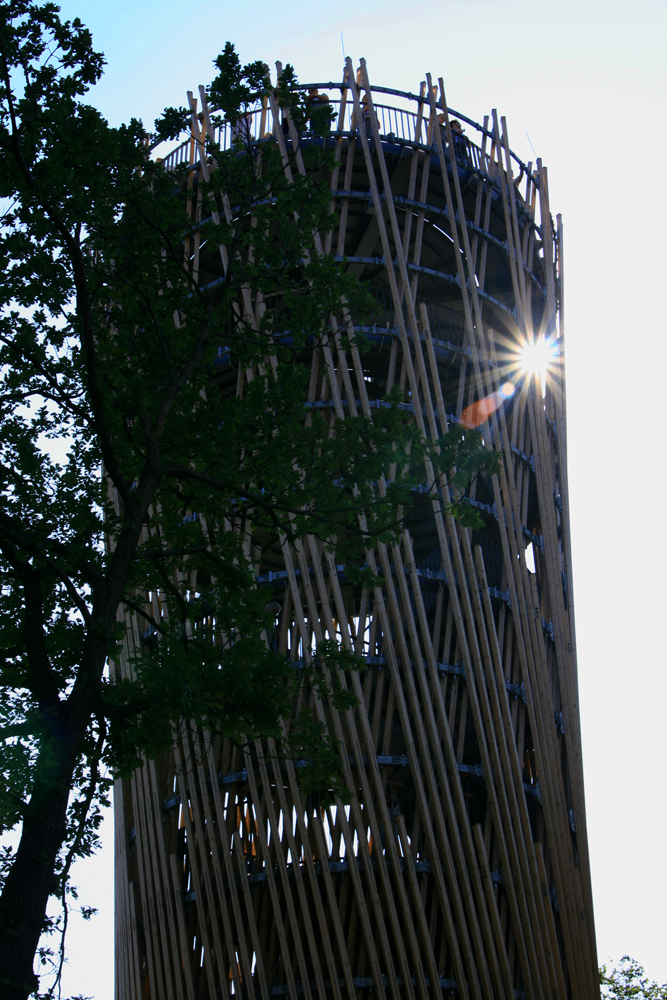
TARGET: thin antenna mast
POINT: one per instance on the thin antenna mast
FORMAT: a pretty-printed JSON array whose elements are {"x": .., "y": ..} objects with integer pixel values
[{"x": 531, "y": 146}]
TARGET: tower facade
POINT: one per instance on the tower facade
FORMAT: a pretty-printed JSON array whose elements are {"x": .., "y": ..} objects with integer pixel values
[{"x": 459, "y": 867}]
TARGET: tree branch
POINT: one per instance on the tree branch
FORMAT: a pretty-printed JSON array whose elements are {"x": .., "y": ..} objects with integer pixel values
[
  {"x": 83, "y": 299},
  {"x": 139, "y": 610},
  {"x": 94, "y": 760}
]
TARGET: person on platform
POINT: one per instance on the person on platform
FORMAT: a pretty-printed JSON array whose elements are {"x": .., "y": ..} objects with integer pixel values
[
  {"x": 315, "y": 99},
  {"x": 366, "y": 116},
  {"x": 459, "y": 139},
  {"x": 318, "y": 107}
]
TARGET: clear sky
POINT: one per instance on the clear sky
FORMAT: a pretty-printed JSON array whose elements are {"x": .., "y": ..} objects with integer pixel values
[{"x": 586, "y": 80}]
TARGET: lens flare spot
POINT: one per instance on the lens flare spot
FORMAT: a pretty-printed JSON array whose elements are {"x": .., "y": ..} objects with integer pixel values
[{"x": 475, "y": 414}]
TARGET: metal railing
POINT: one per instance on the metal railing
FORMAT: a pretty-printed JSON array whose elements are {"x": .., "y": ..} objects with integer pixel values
[
  {"x": 397, "y": 124},
  {"x": 394, "y": 124},
  {"x": 446, "y": 324}
]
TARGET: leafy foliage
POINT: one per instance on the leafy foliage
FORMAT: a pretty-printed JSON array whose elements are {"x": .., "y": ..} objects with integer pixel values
[
  {"x": 628, "y": 982},
  {"x": 131, "y": 475}
]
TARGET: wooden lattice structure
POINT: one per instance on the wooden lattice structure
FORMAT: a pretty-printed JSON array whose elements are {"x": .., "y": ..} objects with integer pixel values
[{"x": 460, "y": 866}]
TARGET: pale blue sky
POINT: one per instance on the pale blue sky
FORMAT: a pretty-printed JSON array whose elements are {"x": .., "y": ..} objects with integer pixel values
[{"x": 587, "y": 81}]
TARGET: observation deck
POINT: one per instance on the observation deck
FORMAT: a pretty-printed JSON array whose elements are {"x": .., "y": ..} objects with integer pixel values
[{"x": 492, "y": 203}]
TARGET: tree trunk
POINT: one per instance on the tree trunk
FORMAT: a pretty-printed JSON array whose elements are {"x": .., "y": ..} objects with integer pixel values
[{"x": 31, "y": 879}]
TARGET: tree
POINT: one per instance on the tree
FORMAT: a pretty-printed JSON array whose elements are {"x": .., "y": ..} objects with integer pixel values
[
  {"x": 628, "y": 982},
  {"x": 127, "y": 467}
]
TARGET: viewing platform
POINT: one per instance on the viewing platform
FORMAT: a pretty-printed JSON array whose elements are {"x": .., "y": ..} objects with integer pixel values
[{"x": 404, "y": 124}]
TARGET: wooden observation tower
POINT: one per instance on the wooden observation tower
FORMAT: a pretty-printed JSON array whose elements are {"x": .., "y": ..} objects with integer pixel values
[{"x": 460, "y": 866}]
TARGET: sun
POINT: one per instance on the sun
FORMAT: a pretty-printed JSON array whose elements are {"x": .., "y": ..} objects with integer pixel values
[{"x": 535, "y": 358}]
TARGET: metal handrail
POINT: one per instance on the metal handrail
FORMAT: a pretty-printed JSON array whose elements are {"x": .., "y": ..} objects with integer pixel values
[
  {"x": 395, "y": 124},
  {"x": 393, "y": 121},
  {"x": 409, "y": 96}
]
